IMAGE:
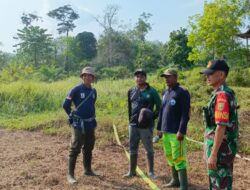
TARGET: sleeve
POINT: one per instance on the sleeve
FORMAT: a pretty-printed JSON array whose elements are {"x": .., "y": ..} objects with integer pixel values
[
  {"x": 129, "y": 105},
  {"x": 95, "y": 92},
  {"x": 185, "y": 111},
  {"x": 68, "y": 101},
  {"x": 157, "y": 102},
  {"x": 222, "y": 109}
]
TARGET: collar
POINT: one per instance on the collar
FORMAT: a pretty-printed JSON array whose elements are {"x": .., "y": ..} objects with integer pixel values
[{"x": 174, "y": 87}]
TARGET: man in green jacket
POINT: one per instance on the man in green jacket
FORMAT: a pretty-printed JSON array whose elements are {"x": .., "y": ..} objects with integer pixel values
[{"x": 141, "y": 102}]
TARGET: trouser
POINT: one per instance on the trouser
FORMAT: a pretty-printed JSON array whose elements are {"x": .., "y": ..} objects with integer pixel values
[
  {"x": 222, "y": 178},
  {"x": 82, "y": 141},
  {"x": 145, "y": 135},
  {"x": 175, "y": 151}
]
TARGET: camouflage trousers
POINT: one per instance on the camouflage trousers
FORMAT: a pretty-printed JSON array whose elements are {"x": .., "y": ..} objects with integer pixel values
[{"x": 222, "y": 178}]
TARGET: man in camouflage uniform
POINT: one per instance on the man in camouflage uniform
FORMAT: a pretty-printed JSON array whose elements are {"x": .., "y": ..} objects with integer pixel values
[{"x": 221, "y": 127}]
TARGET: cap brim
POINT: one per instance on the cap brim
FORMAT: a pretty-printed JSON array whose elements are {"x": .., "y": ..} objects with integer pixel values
[
  {"x": 87, "y": 73},
  {"x": 139, "y": 72},
  {"x": 207, "y": 72},
  {"x": 166, "y": 74}
]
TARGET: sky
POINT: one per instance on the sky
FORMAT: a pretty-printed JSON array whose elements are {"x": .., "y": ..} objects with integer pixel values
[{"x": 167, "y": 16}]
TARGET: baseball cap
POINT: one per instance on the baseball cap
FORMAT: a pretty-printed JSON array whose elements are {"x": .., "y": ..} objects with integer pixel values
[
  {"x": 216, "y": 65},
  {"x": 87, "y": 70},
  {"x": 169, "y": 72},
  {"x": 140, "y": 71}
]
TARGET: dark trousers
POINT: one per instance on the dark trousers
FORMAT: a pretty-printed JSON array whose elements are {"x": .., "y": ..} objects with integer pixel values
[{"x": 84, "y": 142}]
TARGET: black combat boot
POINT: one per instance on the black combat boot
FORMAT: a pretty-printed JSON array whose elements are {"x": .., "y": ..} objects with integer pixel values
[
  {"x": 132, "y": 168},
  {"x": 71, "y": 169}
]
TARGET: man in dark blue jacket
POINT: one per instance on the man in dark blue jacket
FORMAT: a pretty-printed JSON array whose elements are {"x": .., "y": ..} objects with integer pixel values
[
  {"x": 82, "y": 120},
  {"x": 173, "y": 120}
]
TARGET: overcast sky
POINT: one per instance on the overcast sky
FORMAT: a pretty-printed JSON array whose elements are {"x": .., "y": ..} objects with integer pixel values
[{"x": 167, "y": 15}]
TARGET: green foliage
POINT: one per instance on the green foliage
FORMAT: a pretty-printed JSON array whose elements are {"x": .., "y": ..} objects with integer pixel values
[
  {"x": 213, "y": 33},
  {"x": 142, "y": 27},
  {"x": 14, "y": 71},
  {"x": 239, "y": 77},
  {"x": 176, "y": 51},
  {"x": 148, "y": 56},
  {"x": 66, "y": 17},
  {"x": 114, "y": 49},
  {"x": 50, "y": 73},
  {"x": 119, "y": 72},
  {"x": 34, "y": 44},
  {"x": 87, "y": 45}
]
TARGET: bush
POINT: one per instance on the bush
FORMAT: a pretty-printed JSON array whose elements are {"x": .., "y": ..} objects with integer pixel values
[{"x": 239, "y": 77}]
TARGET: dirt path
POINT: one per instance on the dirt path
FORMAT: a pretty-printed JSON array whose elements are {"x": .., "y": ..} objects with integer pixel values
[{"x": 32, "y": 160}]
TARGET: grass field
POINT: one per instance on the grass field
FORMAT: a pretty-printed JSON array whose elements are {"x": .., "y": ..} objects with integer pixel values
[{"x": 37, "y": 105}]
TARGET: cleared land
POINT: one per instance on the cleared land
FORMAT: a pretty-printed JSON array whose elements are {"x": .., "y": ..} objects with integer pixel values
[{"x": 33, "y": 160}]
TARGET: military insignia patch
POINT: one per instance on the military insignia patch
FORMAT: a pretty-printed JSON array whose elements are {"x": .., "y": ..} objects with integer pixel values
[
  {"x": 209, "y": 64},
  {"x": 221, "y": 106}
]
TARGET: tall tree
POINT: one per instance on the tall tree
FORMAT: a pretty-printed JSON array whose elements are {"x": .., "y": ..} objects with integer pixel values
[
  {"x": 121, "y": 53},
  {"x": 148, "y": 56},
  {"x": 66, "y": 17},
  {"x": 35, "y": 43},
  {"x": 109, "y": 19},
  {"x": 213, "y": 33},
  {"x": 176, "y": 51},
  {"x": 142, "y": 27},
  {"x": 87, "y": 45},
  {"x": 27, "y": 19}
]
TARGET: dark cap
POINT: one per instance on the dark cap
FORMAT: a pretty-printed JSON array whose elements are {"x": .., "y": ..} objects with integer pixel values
[
  {"x": 216, "y": 65},
  {"x": 169, "y": 72},
  {"x": 140, "y": 71}
]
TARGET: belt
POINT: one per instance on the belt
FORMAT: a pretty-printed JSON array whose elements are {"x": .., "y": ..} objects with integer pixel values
[
  {"x": 84, "y": 120},
  {"x": 89, "y": 119}
]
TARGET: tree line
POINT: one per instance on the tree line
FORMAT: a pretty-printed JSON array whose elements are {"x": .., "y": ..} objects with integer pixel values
[{"x": 120, "y": 48}]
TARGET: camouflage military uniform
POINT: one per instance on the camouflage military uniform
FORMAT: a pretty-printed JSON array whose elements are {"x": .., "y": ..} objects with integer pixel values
[{"x": 221, "y": 110}]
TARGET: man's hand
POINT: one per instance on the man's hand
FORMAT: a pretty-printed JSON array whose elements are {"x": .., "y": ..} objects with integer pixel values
[
  {"x": 179, "y": 136},
  {"x": 159, "y": 134},
  {"x": 211, "y": 163}
]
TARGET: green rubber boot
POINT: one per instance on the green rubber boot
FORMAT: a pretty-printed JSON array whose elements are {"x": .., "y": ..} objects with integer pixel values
[
  {"x": 174, "y": 182},
  {"x": 183, "y": 179}
]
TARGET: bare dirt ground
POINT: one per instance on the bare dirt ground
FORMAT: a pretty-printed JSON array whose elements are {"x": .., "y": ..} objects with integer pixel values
[{"x": 33, "y": 160}]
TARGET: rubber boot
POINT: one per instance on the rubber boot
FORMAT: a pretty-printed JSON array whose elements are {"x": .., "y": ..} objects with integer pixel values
[
  {"x": 183, "y": 179},
  {"x": 132, "y": 169},
  {"x": 87, "y": 164},
  {"x": 151, "y": 166},
  {"x": 174, "y": 182},
  {"x": 71, "y": 169}
]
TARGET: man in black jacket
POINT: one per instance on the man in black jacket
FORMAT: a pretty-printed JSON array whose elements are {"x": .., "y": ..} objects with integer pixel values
[
  {"x": 173, "y": 120},
  {"x": 141, "y": 102}
]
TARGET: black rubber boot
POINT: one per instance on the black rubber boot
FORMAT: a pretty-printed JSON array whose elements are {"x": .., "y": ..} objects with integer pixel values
[
  {"x": 132, "y": 169},
  {"x": 151, "y": 166},
  {"x": 71, "y": 169},
  {"x": 87, "y": 165},
  {"x": 183, "y": 179},
  {"x": 174, "y": 181}
]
